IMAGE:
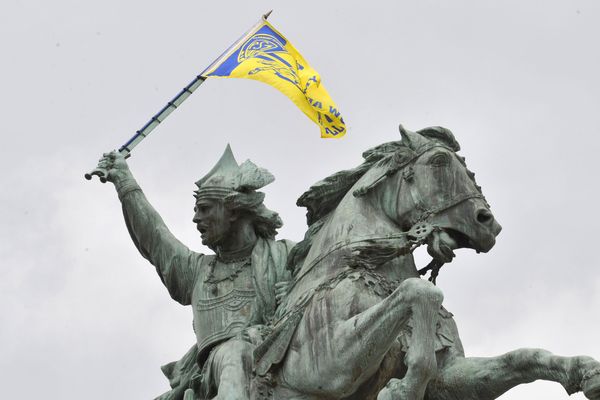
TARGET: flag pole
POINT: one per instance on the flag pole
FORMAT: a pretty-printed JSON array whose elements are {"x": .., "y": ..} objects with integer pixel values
[{"x": 165, "y": 111}]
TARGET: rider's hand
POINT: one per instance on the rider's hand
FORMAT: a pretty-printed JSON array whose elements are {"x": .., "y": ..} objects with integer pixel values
[
  {"x": 115, "y": 165},
  {"x": 281, "y": 290}
]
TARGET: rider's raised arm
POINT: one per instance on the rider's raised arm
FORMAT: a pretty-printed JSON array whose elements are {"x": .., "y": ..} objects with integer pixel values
[{"x": 175, "y": 263}]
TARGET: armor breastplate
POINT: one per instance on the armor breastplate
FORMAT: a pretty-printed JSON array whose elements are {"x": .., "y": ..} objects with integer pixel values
[{"x": 222, "y": 315}]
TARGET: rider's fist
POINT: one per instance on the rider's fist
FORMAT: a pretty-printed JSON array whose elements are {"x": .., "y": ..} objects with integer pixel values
[{"x": 115, "y": 165}]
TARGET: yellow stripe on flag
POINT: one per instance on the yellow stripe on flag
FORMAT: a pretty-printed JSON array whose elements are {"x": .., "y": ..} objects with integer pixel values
[{"x": 266, "y": 55}]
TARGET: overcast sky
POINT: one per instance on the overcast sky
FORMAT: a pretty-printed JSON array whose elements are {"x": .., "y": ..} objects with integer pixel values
[{"x": 83, "y": 315}]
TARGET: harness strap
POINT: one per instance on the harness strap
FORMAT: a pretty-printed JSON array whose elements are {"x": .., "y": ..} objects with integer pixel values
[
  {"x": 395, "y": 168},
  {"x": 445, "y": 205},
  {"x": 422, "y": 220},
  {"x": 341, "y": 245}
]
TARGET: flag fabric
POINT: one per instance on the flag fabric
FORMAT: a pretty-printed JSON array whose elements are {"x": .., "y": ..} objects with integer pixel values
[{"x": 266, "y": 55}]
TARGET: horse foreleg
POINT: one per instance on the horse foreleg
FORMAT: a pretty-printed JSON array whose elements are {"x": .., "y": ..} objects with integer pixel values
[
  {"x": 334, "y": 354},
  {"x": 419, "y": 301},
  {"x": 420, "y": 358},
  {"x": 477, "y": 378}
]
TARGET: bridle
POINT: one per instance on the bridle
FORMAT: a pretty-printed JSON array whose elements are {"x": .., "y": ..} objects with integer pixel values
[
  {"x": 421, "y": 227},
  {"x": 426, "y": 212}
]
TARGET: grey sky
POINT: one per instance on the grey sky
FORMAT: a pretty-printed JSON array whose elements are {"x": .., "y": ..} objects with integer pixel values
[{"x": 83, "y": 315}]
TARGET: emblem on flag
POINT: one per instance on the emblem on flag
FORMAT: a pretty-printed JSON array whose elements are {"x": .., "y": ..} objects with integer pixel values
[{"x": 265, "y": 55}]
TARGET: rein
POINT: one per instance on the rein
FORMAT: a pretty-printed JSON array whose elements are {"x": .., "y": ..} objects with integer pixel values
[
  {"x": 415, "y": 237},
  {"x": 420, "y": 230}
]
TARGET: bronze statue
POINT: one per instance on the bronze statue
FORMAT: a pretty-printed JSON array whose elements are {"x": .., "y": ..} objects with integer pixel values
[{"x": 356, "y": 320}]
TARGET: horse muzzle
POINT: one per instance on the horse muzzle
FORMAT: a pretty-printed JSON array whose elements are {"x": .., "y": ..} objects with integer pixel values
[
  {"x": 475, "y": 230},
  {"x": 488, "y": 229}
]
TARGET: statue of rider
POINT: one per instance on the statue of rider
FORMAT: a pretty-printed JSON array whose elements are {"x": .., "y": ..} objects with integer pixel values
[{"x": 234, "y": 292}]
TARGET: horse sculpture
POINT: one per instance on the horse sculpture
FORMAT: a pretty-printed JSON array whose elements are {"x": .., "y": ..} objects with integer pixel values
[{"x": 358, "y": 322}]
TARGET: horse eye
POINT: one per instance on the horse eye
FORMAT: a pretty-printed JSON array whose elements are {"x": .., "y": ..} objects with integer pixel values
[{"x": 439, "y": 160}]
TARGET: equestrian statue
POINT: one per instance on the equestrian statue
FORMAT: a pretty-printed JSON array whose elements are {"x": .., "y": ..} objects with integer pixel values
[{"x": 344, "y": 313}]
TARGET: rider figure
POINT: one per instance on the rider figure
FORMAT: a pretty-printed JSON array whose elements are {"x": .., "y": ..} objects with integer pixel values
[{"x": 232, "y": 292}]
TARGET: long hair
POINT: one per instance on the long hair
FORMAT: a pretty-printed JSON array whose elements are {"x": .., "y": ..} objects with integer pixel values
[{"x": 250, "y": 203}]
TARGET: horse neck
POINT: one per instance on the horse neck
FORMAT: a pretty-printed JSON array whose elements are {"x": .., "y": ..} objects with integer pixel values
[{"x": 355, "y": 218}]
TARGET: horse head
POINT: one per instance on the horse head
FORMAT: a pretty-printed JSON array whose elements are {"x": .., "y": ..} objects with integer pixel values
[
  {"x": 424, "y": 185},
  {"x": 411, "y": 191}
]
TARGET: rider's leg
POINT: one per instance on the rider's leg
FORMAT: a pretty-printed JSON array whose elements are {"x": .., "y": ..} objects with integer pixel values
[
  {"x": 231, "y": 368},
  {"x": 477, "y": 378}
]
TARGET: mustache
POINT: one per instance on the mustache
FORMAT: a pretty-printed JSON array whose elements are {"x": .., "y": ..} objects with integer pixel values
[{"x": 202, "y": 228}]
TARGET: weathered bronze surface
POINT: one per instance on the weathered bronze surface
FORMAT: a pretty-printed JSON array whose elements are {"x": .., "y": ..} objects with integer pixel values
[{"x": 344, "y": 314}]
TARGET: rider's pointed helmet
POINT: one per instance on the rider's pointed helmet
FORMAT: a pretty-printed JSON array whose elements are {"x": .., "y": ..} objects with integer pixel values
[{"x": 227, "y": 177}]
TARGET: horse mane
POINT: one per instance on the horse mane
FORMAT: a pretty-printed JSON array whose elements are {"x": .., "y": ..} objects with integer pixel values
[{"x": 324, "y": 196}]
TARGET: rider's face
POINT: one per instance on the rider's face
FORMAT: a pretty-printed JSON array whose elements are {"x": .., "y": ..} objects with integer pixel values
[{"x": 213, "y": 220}]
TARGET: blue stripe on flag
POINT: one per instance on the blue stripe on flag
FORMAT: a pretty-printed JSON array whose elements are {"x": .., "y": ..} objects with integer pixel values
[{"x": 231, "y": 63}]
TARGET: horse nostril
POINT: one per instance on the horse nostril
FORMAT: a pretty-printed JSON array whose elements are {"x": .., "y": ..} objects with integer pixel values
[{"x": 484, "y": 216}]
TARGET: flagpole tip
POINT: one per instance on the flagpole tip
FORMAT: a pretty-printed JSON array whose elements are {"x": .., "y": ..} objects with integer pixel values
[{"x": 265, "y": 16}]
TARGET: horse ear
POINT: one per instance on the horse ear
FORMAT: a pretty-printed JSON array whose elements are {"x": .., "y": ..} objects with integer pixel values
[{"x": 411, "y": 139}]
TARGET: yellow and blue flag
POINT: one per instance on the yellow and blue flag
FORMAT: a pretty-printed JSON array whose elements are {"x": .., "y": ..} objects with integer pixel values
[{"x": 266, "y": 55}]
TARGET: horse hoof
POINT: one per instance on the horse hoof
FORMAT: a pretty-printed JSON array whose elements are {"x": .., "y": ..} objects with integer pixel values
[
  {"x": 591, "y": 385},
  {"x": 387, "y": 393},
  {"x": 392, "y": 391}
]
